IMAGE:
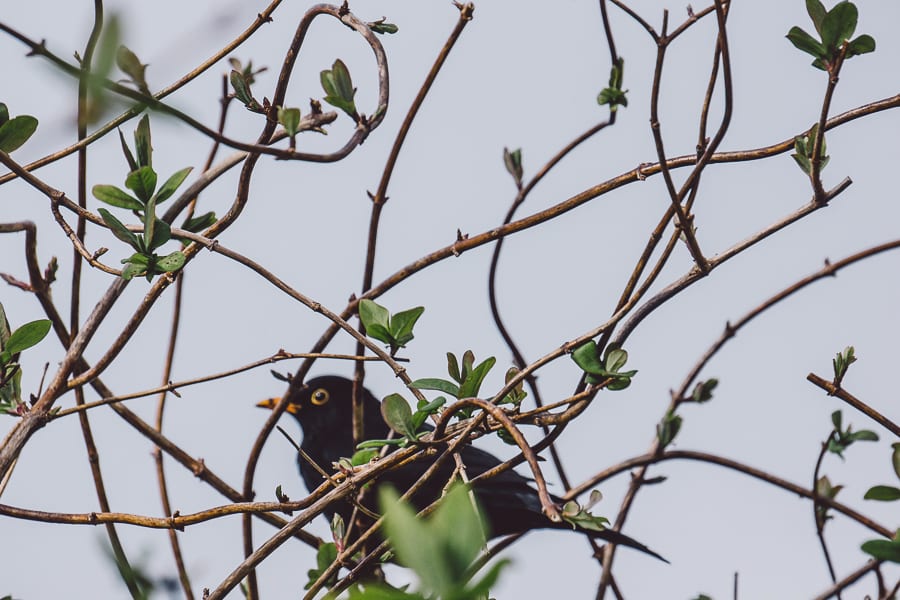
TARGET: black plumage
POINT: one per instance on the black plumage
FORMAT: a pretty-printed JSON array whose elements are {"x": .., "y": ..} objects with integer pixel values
[{"x": 509, "y": 502}]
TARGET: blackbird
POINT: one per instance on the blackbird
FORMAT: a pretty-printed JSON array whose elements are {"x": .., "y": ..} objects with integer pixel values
[{"x": 508, "y": 502}]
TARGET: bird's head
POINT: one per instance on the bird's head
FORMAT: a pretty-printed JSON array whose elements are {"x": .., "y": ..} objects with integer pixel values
[{"x": 324, "y": 404}]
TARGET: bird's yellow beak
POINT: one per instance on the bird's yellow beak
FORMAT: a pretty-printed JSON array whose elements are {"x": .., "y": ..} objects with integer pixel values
[{"x": 271, "y": 402}]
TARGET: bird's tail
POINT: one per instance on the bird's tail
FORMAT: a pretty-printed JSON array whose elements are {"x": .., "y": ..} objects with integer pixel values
[{"x": 615, "y": 537}]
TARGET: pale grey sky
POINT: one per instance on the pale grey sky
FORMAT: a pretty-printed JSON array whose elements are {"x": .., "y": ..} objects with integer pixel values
[{"x": 526, "y": 75}]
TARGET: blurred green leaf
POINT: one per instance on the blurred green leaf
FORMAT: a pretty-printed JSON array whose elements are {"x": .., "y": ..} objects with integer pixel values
[
  {"x": 887, "y": 550},
  {"x": 142, "y": 143},
  {"x": 884, "y": 493},
  {"x": 128, "y": 62},
  {"x": 16, "y": 131},
  {"x": 668, "y": 429},
  {"x": 513, "y": 162}
]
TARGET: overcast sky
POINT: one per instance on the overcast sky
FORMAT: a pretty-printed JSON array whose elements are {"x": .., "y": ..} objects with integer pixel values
[{"x": 526, "y": 75}]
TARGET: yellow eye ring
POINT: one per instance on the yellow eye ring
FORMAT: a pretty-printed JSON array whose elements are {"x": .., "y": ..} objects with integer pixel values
[{"x": 320, "y": 397}]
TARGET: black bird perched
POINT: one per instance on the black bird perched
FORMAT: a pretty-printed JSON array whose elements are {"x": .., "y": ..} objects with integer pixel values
[{"x": 509, "y": 503}]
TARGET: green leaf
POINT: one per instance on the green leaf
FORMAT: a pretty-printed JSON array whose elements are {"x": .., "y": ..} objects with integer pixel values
[
  {"x": 863, "y": 435},
  {"x": 412, "y": 541},
  {"x": 241, "y": 81},
  {"x": 861, "y": 45},
  {"x": 16, "y": 131},
  {"x": 114, "y": 196},
  {"x": 398, "y": 415},
  {"x": 372, "y": 314},
  {"x": 142, "y": 143},
  {"x": 289, "y": 119},
  {"x": 885, "y": 493},
  {"x": 118, "y": 229},
  {"x": 453, "y": 369},
  {"x": 425, "y": 410},
  {"x": 362, "y": 457},
  {"x": 339, "y": 88},
  {"x": 4, "y": 327},
  {"x": 703, "y": 391},
  {"x": 615, "y": 360},
  {"x": 142, "y": 182},
  {"x": 838, "y": 25},
  {"x": 458, "y": 525},
  {"x": 129, "y": 157},
  {"x": 402, "y": 324},
  {"x": 614, "y": 95},
  {"x": 468, "y": 360},
  {"x": 816, "y": 12},
  {"x": 895, "y": 458},
  {"x": 668, "y": 429},
  {"x": 482, "y": 587},
  {"x": 325, "y": 556},
  {"x": 150, "y": 224},
  {"x": 888, "y": 550},
  {"x": 168, "y": 188},
  {"x": 806, "y": 43},
  {"x": 836, "y": 420},
  {"x": 513, "y": 162},
  {"x": 4, "y": 113},
  {"x": 518, "y": 393},
  {"x": 440, "y": 385},
  {"x": 582, "y": 518},
  {"x": 803, "y": 163},
  {"x": 162, "y": 233},
  {"x": 620, "y": 381},
  {"x": 470, "y": 387},
  {"x": 135, "y": 266},
  {"x": 128, "y": 62},
  {"x": 198, "y": 224},
  {"x": 24, "y": 337},
  {"x": 171, "y": 262},
  {"x": 381, "y": 27},
  {"x": 585, "y": 356}
]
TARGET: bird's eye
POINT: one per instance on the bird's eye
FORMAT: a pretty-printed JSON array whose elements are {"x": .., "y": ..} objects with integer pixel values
[{"x": 320, "y": 397}]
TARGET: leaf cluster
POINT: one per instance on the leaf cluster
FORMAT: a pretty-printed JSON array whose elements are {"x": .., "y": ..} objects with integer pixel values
[
  {"x": 613, "y": 95},
  {"x": 888, "y": 550},
  {"x": 142, "y": 181},
  {"x": 835, "y": 27},
  {"x": 841, "y": 362},
  {"x": 441, "y": 550},
  {"x": 803, "y": 149},
  {"x": 580, "y": 517},
  {"x": 12, "y": 344},
  {"x": 339, "y": 90},
  {"x": 840, "y": 439},
  {"x": 394, "y": 330},
  {"x": 512, "y": 160},
  {"x": 597, "y": 369}
]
